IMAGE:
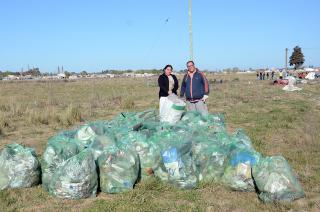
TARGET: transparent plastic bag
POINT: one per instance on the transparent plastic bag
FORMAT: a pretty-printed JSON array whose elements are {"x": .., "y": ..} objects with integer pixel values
[
  {"x": 172, "y": 109},
  {"x": 276, "y": 181},
  {"x": 19, "y": 167},
  {"x": 76, "y": 178},
  {"x": 118, "y": 170},
  {"x": 59, "y": 149}
]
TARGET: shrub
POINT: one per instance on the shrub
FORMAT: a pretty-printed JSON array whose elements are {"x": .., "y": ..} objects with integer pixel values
[{"x": 73, "y": 115}]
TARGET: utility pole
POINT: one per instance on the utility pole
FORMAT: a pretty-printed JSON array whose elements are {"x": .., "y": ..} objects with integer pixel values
[
  {"x": 190, "y": 30},
  {"x": 286, "y": 59}
]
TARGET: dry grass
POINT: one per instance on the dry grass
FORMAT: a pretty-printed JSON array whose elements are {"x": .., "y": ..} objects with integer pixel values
[{"x": 277, "y": 122}]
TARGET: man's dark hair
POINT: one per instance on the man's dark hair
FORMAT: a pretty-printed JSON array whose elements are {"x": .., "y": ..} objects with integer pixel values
[
  {"x": 190, "y": 61},
  {"x": 167, "y": 67}
]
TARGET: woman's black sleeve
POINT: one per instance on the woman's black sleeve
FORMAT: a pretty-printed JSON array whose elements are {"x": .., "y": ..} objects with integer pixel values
[{"x": 162, "y": 84}]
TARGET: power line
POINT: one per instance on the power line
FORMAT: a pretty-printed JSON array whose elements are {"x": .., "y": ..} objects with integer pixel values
[{"x": 157, "y": 38}]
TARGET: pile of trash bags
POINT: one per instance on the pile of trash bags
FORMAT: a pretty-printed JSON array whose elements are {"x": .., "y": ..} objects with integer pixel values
[
  {"x": 113, "y": 155},
  {"x": 291, "y": 85}
]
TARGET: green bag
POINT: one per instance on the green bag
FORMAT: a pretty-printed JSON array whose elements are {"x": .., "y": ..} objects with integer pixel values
[
  {"x": 148, "y": 151},
  {"x": 210, "y": 158},
  {"x": 237, "y": 174},
  {"x": 275, "y": 180},
  {"x": 176, "y": 165},
  {"x": 76, "y": 178},
  {"x": 59, "y": 149},
  {"x": 118, "y": 170},
  {"x": 102, "y": 143},
  {"x": 19, "y": 167}
]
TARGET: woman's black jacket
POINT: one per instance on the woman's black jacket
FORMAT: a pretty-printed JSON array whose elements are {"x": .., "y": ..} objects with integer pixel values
[{"x": 163, "y": 82}]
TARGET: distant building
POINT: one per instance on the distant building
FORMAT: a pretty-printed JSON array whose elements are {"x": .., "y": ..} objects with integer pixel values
[
  {"x": 61, "y": 76},
  {"x": 73, "y": 77}
]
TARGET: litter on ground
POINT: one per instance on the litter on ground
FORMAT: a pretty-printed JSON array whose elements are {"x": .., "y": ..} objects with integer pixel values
[{"x": 132, "y": 147}]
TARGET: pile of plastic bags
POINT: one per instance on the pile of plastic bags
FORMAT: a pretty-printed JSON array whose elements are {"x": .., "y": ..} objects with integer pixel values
[
  {"x": 114, "y": 155},
  {"x": 291, "y": 85}
]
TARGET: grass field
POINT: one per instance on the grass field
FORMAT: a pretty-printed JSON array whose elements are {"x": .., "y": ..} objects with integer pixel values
[{"x": 278, "y": 122}]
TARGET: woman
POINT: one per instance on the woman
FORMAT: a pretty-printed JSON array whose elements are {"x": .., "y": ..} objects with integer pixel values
[{"x": 168, "y": 84}]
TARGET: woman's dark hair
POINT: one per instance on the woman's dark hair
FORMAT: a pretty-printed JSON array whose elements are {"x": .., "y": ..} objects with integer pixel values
[{"x": 167, "y": 67}]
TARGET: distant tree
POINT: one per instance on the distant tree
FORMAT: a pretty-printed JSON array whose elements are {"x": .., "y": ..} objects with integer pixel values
[
  {"x": 228, "y": 70},
  {"x": 33, "y": 72},
  {"x": 149, "y": 71},
  {"x": 297, "y": 58},
  {"x": 68, "y": 74},
  {"x": 6, "y": 73},
  {"x": 115, "y": 72},
  {"x": 83, "y": 73},
  {"x": 235, "y": 69}
]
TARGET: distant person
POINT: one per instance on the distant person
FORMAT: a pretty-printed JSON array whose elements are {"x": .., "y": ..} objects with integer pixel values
[
  {"x": 168, "y": 84},
  {"x": 280, "y": 75},
  {"x": 260, "y": 73},
  {"x": 195, "y": 88},
  {"x": 267, "y": 75},
  {"x": 272, "y": 74},
  {"x": 257, "y": 75},
  {"x": 264, "y": 75}
]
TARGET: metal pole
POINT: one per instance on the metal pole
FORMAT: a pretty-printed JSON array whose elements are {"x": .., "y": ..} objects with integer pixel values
[
  {"x": 190, "y": 30},
  {"x": 286, "y": 59}
]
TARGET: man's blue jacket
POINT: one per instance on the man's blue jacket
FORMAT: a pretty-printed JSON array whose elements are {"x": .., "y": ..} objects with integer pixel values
[{"x": 194, "y": 88}]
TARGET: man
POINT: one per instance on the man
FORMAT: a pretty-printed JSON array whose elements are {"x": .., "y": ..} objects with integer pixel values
[{"x": 195, "y": 87}]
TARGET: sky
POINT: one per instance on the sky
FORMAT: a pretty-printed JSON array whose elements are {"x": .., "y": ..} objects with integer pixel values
[{"x": 144, "y": 34}]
